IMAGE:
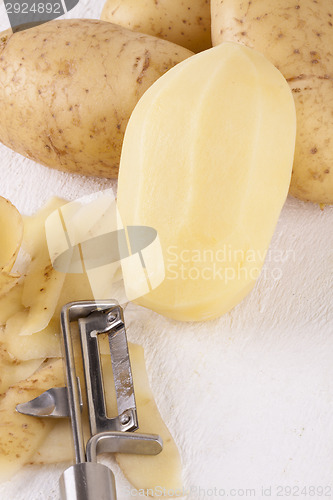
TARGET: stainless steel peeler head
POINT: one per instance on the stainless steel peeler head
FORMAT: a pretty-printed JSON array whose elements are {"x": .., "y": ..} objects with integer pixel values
[{"x": 107, "y": 434}]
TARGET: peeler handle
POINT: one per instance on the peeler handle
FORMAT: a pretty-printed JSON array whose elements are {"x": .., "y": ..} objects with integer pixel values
[{"x": 88, "y": 481}]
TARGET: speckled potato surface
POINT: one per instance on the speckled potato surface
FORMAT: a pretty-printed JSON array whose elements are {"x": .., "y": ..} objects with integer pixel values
[
  {"x": 185, "y": 22},
  {"x": 68, "y": 87},
  {"x": 297, "y": 37}
]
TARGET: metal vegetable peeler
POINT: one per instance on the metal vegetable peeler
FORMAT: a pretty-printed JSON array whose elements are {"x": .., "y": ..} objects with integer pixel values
[{"x": 88, "y": 479}]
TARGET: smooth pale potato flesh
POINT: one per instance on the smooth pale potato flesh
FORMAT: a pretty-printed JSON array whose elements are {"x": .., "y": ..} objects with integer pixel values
[
  {"x": 207, "y": 161},
  {"x": 68, "y": 87},
  {"x": 297, "y": 38},
  {"x": 186, "y": 23}
]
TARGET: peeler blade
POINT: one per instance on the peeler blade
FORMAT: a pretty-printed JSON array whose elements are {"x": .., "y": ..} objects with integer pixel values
[
  {"x": 109, "y": 321},
  {"x": 88, "y": 479},
  {"x": 122, "y": 373},
  {"x": 52, "y": 403}
]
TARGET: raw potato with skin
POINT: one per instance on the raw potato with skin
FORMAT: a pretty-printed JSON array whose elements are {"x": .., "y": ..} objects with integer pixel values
[
  {"x": 296, "y": 36},
  {"x": 68, "y": 87},
  {"x": 185, "y": 22}
]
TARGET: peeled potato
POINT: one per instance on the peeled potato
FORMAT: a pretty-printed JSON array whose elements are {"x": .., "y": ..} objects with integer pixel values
[{"x": 219, "y": 129}]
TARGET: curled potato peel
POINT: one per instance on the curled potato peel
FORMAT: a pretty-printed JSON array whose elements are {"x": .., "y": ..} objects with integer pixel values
[
  {"x": 11, "y": 233},
  {"x": 11, "y": 227},
  {"x": 29, "y": 335}
]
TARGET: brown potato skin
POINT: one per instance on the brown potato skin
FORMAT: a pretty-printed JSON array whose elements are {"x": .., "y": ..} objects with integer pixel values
[
  {"x": 185, "y": 22},
  {"x": 297, "y": 37},
  {"x": 68, "y": 88}
]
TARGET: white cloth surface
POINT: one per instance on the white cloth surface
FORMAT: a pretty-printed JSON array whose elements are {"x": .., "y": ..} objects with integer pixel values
[{"x": 248, "y": 397}]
